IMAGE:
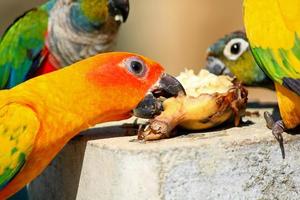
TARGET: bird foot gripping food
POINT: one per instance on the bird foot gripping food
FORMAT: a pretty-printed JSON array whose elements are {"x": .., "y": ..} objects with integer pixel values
[{"x": 210, "y": 100}]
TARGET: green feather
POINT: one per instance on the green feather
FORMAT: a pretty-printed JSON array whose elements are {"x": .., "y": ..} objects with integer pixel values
[
  {"x": 275, "y": 68},
  {"x": 21, "y": 45},
  {"x": 16, "y": 141},
  {"x": 9, "y": 173},
  {"x": 296, "y": 48}
]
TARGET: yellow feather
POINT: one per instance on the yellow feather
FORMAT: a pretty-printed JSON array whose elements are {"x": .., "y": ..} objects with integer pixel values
[
  {"x": 272, "y": 25},
  {"x": 293, "y": 61},
  {"x": 61, "y": 104},
  {"x": 18, "y": 128},
  {"x": 270, "y": 12},
  {"x": 290, "y": 12}
]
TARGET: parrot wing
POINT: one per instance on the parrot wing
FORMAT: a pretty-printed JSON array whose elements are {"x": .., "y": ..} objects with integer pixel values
[
  {"x": 21, "y": 47},
  {"x": 19, "y": 126},
  {"x": 280, "y": 56},
  {"x": 279, "y": 68}
]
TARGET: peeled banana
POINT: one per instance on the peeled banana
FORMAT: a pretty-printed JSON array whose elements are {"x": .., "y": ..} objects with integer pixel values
[{"x": 210, "y": 101}]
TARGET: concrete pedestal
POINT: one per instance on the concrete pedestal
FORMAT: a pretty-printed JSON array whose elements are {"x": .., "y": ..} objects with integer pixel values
[{"x": 225, "y": 163}]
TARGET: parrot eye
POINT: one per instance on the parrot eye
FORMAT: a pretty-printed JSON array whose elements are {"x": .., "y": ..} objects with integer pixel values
[
  {"x": 136, "y": 66},
  {"x": 235, "y": 48}
]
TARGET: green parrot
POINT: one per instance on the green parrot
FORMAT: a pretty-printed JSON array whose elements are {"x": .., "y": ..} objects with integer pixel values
[
  {"x": 231, "y": 56},
  {"x": 273, "y": 30},
  {"x": 56, "y": 34}
]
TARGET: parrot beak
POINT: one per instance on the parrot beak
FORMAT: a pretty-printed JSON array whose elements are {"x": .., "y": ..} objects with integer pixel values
[
  {"x": 119, "y": 9},
  {"x": 167, "y": 86},
  {"x": 216, "y": 66}
]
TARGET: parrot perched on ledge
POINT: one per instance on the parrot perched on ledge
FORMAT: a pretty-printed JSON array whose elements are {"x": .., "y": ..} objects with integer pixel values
[
  {"x": 57, "y": 34},
  {"x": 231, "y": 56},
  {"x": 39, "y": 116},
  {"x": 273, "y": 29}
]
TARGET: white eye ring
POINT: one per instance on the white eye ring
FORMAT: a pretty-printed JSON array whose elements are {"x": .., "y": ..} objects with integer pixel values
[
  {"x": 235, "y": 48},
  {"x": 136, "y": 66}
]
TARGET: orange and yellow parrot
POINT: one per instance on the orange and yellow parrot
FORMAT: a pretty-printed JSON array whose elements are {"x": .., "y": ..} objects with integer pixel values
[
  {"x": 273, "y": 29},
  {"x": 38, "y": 117}
]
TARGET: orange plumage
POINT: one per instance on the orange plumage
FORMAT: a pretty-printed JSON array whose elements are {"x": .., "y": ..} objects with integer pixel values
[
  {"x": 288, "y": 101},
  {"x": 57, "y": 106}
]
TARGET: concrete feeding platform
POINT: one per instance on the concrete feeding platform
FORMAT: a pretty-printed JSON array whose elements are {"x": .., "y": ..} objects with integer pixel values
[{"x": 224, "y": 163}]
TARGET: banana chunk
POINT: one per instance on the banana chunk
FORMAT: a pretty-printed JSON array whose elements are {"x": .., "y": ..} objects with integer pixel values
[{"x": 210, "y": 101}]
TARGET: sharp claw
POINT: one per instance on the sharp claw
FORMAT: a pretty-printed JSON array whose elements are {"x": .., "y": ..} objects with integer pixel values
[
  {"x": 155, "y": 130},
  {"x": 277, "y": 131},
  {"x": 281, "y": 145},
  {"x": 269, "y": 120},
  {"x": 140, "y": 131}
]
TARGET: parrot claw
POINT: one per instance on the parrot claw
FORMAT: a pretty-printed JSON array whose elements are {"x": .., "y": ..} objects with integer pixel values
[
  {"x": 154, "y": 131},
  {"x": 277, "y": 129},
  {"x": 269, "y": 120}
]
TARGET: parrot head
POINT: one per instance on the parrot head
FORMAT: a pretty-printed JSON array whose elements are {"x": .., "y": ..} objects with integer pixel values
[
  {"x": 92, "y": 14},
  {"x": 133, "y": 83},
  {"x": 231, "y": 55},
  {"x": 79, "y": 29}
]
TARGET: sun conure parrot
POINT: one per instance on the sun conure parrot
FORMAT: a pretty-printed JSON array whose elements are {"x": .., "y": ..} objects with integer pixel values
[
  {"x": 57, "y": 34},
  {"x": 231, "y": 56},
  {"x": 38, "y": 117},
  {"x": 273, "y": 29}
]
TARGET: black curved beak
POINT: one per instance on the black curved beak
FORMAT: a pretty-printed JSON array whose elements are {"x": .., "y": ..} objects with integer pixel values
[
  {"x": 166, "y": 87},
  {"x": 216, "y": 66},
  {"x": 119, "y": 9}
]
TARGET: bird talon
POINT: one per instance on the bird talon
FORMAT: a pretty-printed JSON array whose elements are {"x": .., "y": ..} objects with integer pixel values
[
  {"x": 277, "y": 131},
  {"x": 155, "y": 130},
  {"x": 269, "y": 120}
]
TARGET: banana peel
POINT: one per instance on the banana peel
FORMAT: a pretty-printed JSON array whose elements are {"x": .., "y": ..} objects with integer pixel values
[{"x": 210, "y": 100}]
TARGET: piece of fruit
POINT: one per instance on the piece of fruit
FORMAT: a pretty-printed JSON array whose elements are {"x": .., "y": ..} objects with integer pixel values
[{"x": 210, "y": 101}]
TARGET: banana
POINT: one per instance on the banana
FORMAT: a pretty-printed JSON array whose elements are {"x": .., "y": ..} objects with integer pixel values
[{"x": 210, "y": 101}]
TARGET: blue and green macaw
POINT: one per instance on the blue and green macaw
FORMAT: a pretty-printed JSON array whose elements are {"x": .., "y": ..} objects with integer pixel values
[
  {"x": 273, "y": 30},
  {"x": 231, "y": 56},
  {"x": 57, "y": 34}
]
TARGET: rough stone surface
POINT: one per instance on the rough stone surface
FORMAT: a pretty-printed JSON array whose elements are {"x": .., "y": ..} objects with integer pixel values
[{"x": 225, "y": 163}]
